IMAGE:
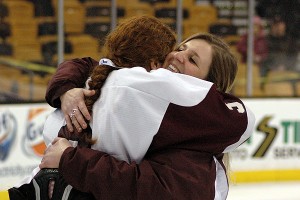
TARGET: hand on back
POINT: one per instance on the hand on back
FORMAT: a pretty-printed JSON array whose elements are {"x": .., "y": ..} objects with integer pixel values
[{"x": 74, "y": 108}]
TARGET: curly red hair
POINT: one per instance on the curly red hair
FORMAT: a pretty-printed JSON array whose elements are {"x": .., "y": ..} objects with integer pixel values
[{"x": 137, "y": 41}]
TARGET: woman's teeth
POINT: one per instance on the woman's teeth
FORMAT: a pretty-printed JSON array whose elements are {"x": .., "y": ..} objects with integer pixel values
[{"x": 173, "y": 69}]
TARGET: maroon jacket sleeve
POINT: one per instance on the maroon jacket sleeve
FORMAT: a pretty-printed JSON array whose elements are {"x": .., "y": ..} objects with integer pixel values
[
  {"x": 70, "y": 74},
  {"x": 89, "y": 171},
  {"x": 176, "y": 174}
]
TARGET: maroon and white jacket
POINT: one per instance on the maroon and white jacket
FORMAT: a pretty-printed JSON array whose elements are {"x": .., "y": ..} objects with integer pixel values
[{"x": 171, "y": 130}]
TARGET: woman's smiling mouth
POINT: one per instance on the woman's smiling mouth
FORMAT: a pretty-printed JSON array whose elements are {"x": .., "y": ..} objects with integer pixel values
[{"x": 173, "y": 69}]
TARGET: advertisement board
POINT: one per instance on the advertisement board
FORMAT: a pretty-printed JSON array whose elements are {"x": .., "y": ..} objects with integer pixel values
[
  {"x": 272, "y": 153},
  {"x": 21, "y": 140}
]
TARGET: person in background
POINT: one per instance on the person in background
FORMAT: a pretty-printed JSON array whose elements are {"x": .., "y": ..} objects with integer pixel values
[
  {"x": 283, "y": 47},
  {"x": 260, "y": 47}
]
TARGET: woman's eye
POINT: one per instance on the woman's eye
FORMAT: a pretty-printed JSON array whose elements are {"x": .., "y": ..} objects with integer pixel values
[{"x": 192, "y": 61}]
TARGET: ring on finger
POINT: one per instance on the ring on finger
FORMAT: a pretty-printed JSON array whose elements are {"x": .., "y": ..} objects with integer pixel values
[
  {"x": 72, "y": 114},
  {"x": 74, "y": 110}
]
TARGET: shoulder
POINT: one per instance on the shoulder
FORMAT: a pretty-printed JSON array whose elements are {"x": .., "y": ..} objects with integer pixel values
[
  {"x": 176, "y": 88},
  {"x": 138, "y": 76}
]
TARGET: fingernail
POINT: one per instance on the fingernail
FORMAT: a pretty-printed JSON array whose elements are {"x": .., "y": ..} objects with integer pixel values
[
  {"x": 84, "y": 125},
  {"x": 79, "y": 130}
]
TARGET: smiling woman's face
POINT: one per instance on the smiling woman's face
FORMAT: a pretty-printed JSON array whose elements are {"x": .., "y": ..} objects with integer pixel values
[{"x": 192, "y": 58}]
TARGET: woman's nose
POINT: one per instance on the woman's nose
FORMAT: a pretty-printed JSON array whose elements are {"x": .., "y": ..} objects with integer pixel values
[{"x": 180, "y": 56}]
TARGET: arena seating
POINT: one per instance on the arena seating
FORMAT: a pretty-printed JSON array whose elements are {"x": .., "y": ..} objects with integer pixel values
[
  {"x": 88, "y": 17},
  {"x": 87, "y": 22}
]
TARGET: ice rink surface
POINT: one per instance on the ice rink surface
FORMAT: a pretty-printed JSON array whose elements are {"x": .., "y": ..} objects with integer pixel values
[{"x": 265, "y": 191}]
